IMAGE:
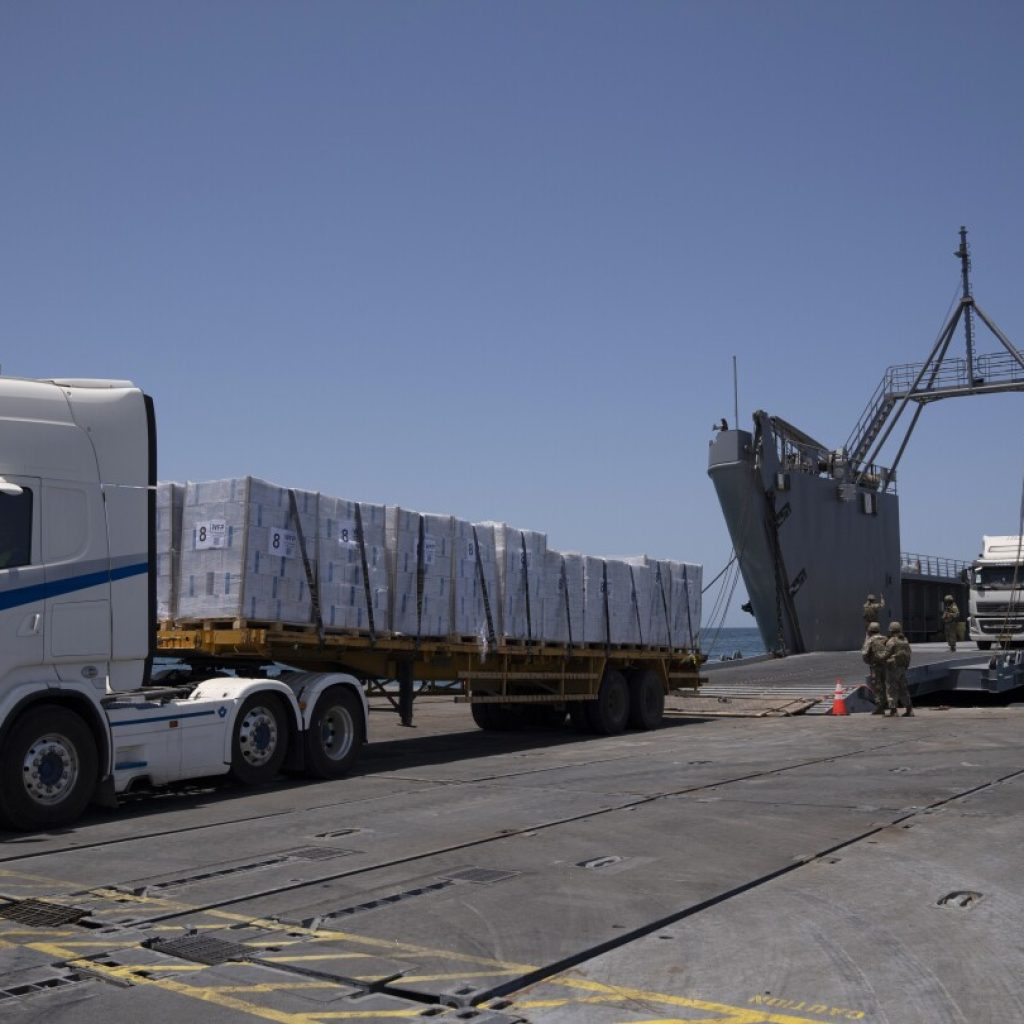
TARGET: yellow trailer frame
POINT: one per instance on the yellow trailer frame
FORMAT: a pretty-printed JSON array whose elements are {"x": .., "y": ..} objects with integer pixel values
[{"x": 504, "y": 673}]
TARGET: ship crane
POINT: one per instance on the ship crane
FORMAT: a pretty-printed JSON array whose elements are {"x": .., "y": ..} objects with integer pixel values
[{"x": 936, "y": 378}]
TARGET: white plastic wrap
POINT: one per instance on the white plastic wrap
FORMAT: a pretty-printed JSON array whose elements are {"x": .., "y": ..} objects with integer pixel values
[
  {"x": 421, "y": 586},
  {"x": 475, "y": 581},
  {"x": 520, "y": 558},
  {"x": 240, "y": 554},
  {"x": 344, "y": 589},
  {"x": 170, "y": 498}
]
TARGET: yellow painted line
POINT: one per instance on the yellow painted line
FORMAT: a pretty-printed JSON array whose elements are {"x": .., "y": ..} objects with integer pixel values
[
  {"x": 731, "y": 1014},
  {"x": 37, "y": 932},
  {"x": 314, "y": 956},
  {"x": 116, "y": 896},
  {"x": 44, "y": 879},
  {"x": 273, "y": 986},
  {"x": 392, "y": 946},
  {"x": 456, "y": 976},
  {"x": 211, "y": 995}
]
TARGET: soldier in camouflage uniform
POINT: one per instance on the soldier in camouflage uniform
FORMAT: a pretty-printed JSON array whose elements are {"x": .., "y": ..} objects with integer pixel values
[
  {"x": 950, "y": 618},
  {"x": 873, "y": 652},
  {"x": 897, "y": 659},
  {"x": 872, "y": 611}
]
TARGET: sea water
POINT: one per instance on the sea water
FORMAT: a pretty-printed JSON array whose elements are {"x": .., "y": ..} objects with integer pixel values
[{"x": 727, "y": 641}]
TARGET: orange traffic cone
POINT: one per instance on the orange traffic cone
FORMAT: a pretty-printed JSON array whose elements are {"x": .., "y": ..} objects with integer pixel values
[{"x": 838, "y": 700}]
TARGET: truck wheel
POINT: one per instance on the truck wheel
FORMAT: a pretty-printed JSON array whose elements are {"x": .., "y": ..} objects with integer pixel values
[
  {"x": 47, "y": 769},
  {"x": 260, "y": 740},
  {"x": 646, "y": 699},
  {"x": 610, "y": 712},
  {"x": 544, "y": 716},
  {"x": 335, "y": 733},
  {"x": 983, "y": 645},
  {"x": 579, "y": 718},
  {"x": 496, "y": 717}
]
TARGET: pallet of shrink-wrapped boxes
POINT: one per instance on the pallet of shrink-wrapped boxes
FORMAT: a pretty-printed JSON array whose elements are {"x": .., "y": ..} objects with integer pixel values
[
  {"x": 169, "y": 500},
  {"x": 475, "y": 595},
  {"x": 245, "y": 548},
  {"x": 352, "y": 571},
  {"x": 419, "y": 551},
  {"x": 686, "y": 580},
  {"x": 520, "y": 561}
]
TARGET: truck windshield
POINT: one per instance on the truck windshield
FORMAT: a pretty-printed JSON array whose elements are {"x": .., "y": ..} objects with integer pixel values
[
  {"x": 997, "y": 575},
  {"x": 15, "y": 529}
]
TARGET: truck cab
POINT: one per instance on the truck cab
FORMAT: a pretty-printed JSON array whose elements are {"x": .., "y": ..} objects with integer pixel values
[
  {"x": 80, "y": 718},
  {"x": 996, "y": 608}
]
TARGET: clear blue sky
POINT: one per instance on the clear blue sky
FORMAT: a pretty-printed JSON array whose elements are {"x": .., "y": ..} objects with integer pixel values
[{"x": 494, "y": 259}]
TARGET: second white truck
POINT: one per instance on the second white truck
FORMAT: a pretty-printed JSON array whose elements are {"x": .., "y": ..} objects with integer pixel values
[{"x": 996, "y": 612}]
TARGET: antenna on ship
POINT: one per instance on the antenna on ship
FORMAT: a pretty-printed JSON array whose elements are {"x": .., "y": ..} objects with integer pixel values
[{"x": 967, "y": 303}]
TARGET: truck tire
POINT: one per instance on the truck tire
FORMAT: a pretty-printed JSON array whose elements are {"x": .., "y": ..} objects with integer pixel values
[
  {"x": 496, "y": 717},
  {"x": 646, "y": 699},
  {"x": 579, "y": 717},
  {"x": 335, "y": 733},
  {"x": 259, "y": 740},
  {"x": 984, "y": 645},
  {"x": 609, "y": 714},
  {"x": 47, "y": 769},
  {"x": 545, "y": 717}
]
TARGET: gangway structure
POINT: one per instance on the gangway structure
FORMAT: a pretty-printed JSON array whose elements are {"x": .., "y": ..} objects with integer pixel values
[{"x": 936, "y": 378}]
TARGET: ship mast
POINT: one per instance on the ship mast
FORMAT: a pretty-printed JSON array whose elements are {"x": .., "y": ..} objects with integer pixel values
[{"x": 937, "y": 377}]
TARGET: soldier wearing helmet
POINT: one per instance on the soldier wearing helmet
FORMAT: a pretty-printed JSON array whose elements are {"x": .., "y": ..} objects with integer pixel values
[
  {"x": 873, "y": 652},
  {"x": 950, "y": 619},
  {"x": 872, "y": 610},
  {"x": 897, "y": 659}
]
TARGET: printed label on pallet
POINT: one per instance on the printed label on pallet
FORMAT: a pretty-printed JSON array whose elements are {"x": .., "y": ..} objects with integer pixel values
[
  {"x": 284, "y": 543},
  {"x": 213, "y": 533}
]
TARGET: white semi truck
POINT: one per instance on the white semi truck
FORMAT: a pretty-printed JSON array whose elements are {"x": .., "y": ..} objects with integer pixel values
[
  {"x": 81, "y": 717},
  {"x": 78, "y": 721},
  {"x": 996, "y": 612}
]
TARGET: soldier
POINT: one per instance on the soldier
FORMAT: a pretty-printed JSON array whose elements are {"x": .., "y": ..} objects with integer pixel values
[
  {"x": 873, "y": 652},
  {"x": 950, "y": 618},
  {"x": 872, "y": 610},
  {"x": 897, "y": 658}
]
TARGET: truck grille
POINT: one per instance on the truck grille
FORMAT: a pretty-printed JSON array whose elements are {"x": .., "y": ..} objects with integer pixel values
[{"x": 996, "y": 627}]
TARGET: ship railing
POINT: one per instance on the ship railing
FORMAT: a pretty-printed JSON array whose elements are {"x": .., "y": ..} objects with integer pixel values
[
  {"x": 912, "y": 564},
  {"x": 992, "y": 371},
  {"x": 815, "y": 460}
]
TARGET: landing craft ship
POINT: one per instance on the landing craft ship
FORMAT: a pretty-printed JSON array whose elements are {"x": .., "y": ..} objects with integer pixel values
[{"x": 814, "y": 530}]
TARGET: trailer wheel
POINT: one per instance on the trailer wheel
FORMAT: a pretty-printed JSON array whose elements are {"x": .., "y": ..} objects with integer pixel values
[
  {"x": 544, "y": 716},
  {"x": 984, "y": 645},
  {"x": 495, "y": 717},
  {"x": 646, "y": 699},
  {"x": 335, "y": 733},
  {"x": 260, "y": 740},
  {"x": 610, "y": 712},
  {"x": 47, "y": 769},
  {"x": 579, "y": 717}
]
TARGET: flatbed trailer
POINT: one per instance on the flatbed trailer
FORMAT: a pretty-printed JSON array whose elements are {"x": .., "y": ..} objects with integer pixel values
[{"x": 561, "y": 676}]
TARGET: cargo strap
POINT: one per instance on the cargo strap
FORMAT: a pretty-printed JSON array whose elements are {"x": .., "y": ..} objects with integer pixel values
[
  {"x": 568, "y": 611},
  {"x": 636, "y": 606},
  {"x": 607, "y": 618},
  {"x": 311, "y": 580},
  {"x": 420, "y": 571},
  {"x": 491, "y": 637},
  {"x": 526, "y": 588},
  {"x": 367, "y": 592},
  {"x": 686, "y": 591},
  {"x": 664, "y": 602}
]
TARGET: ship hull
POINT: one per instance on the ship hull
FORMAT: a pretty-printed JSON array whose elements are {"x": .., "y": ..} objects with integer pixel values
[{"x": 811, "y": 544}]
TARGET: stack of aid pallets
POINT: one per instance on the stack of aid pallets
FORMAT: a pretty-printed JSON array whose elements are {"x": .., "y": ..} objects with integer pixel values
[{"x": 244, "y": 549}]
